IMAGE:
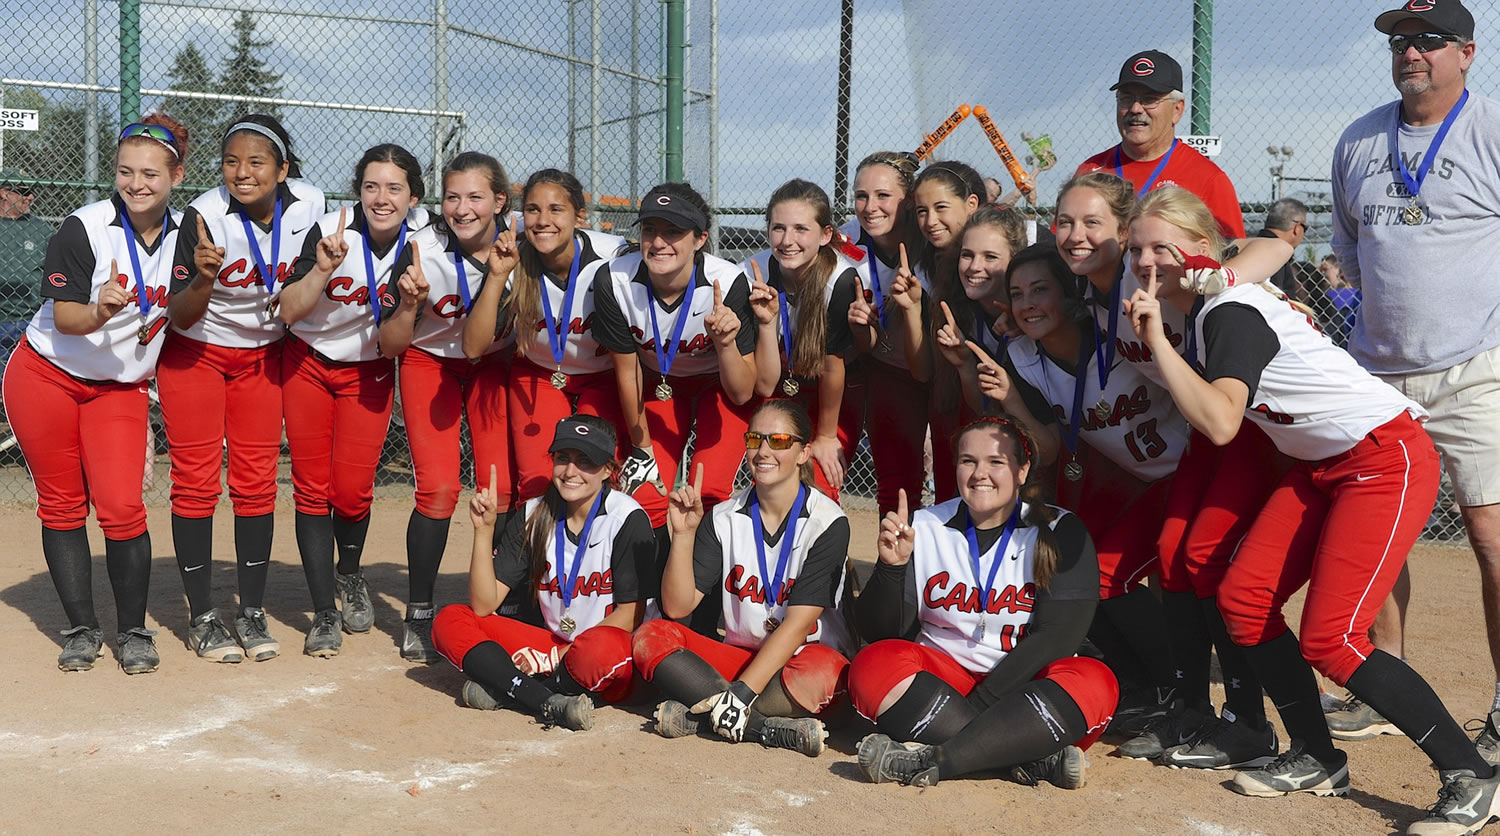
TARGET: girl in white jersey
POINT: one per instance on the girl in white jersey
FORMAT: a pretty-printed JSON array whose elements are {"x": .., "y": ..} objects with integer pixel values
[
  {"x": 813, "y": 285},
  {"x": 337, "y": 387},
  {"x": 976, "y": 609},
  {"x": 76, "y": 389},
  {"x": 893, "y": 378},
  {"x": 220, "y": 373},
  {"x": 441, "y": 276},
  {"x": 776, "y": 552},
  {"x": 559, "y": 368},
  {"x": 586, "y": 555},
  {"x": 1339, "y": 523}
]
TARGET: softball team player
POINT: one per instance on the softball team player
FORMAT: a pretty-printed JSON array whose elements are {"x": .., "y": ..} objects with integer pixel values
[
  {"x": 1339, "y": 522},
  {"x": 678, "y": 323},
  {"x": 444, "y": 273},
  {"x": 814, "y": 285},
  {"x": 588, "y": 554},
  {"x": 220, "y": 373},
  {"x": 776, "y": 551},
  {"x": 560, "y": 369},
  {"x": 885, "y": 327},
  {"x": 337, "y": 387},
  {"x": 76, "y": 389},
  {"x": 998, "y": 590}
]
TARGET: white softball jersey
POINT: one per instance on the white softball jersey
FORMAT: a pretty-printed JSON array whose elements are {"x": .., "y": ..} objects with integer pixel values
[
  {"x": 341, "y": 326},
  {"x": 623, "y": 301},
  {"x": 77, "y": 267},
  {"x": 239, "y": 313},
  {"x": 582, "y": 353},
  {"x": 439, "y": 329},
  {"x": 838, "y": 295},
  {"x": 1127, "y": 346},
  {"x": 871, "y": 269},
  {"x": 1143, "y": 432},
  {"x": 724, "y": 555},
  {"x": 1309, "y": 395}
]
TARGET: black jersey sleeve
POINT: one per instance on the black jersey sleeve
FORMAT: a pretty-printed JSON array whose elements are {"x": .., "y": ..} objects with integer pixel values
[
  {"x": 708, "y": 556},
  {"x": 840, "y": 337},
  {"x": 183, "y": 266},
  {"x": 308, "y": 258},
  {"x": 512, "y": 563},
  {"x": 738, "y": 300},
  {"x": 887, "y": 608},
  {"x": 391, "y": 299},
  {"x": 1237, "y": 343},
  {"x": 818, "y": 580},
  {"x": 610, "y": 327},
  {"x": 69, "y": 266},
  {"x": 633, "y": 560}
]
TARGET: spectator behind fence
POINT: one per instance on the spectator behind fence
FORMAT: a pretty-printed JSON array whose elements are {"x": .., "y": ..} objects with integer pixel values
[
  {"x": 1287, "y": 220},
  {"x": 1343, "y": 299},
  {"x": 992, "y": 190},
  {"x": 23, "y": 246}
]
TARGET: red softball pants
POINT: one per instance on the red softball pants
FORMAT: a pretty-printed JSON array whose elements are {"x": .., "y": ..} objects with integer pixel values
[
  {"x": 699, "y": 405},
  {"x": 896, "y": 422},
  {"x": 436, "y": 392},
  {"x": 598, "y": 658},
  {"x": 534, "y": 407}
]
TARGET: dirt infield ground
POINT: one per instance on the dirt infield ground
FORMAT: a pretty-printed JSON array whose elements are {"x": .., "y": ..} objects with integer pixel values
[{"x": 366, "y": 742}]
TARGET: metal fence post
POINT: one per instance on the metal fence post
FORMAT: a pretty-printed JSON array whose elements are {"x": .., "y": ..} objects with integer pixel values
[
  {"x": 130, "y": 61},
  {"x": 439, "y": 89},
  {"x": 1203, "y": 67},
  {"x": 845, "y": 96},
  {"x": 91, "y": 99},
  {"x": 676, "y": 43}
]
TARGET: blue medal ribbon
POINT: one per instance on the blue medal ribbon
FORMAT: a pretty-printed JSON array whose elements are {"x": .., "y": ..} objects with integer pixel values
[
  {"x": 464, "y": 293},
  {"x": 665, "y": 357},
  {"x": 1080, "y": 380},
  {"x": 364, "y": 240},
  {"x": 143, "y": 299},
  {"x": 1414, "y": 184},
  {"x": 1002, "y": 343},
  {"x": 1192, "y": 337},
  {"x": 869, "y": 247},
  {"x": 1120, "y": 168},
  {"x": 773, "y": 584},
  {"x": 1105, "y": 354},
  {"x": 267, "y": 277},
  {"x": 984, "y": 583},
  {"x": 557, "y": 337},
  {"x": 786, "y": 328},
  {"x": 568, "y": 578}
]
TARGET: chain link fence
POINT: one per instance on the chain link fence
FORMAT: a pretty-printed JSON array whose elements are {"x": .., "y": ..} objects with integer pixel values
[{"x": 772, "y": 90}]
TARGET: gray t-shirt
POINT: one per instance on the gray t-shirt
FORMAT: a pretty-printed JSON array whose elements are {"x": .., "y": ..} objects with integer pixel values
[{"x": 1431, "y": 291}]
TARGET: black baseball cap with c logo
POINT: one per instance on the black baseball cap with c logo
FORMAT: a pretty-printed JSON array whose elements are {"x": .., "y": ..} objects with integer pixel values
[
  {"x": 673, "y": 209},
  {"x": 1153, "y": 69},
  {"x": 1446, "y": 17},
  {"x": 588, "y": 434}
]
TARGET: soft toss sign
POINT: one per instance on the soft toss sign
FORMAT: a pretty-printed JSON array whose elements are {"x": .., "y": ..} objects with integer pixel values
[
  {"x": 18, "y": 120},
  {"x": 1208, "y": 146}
]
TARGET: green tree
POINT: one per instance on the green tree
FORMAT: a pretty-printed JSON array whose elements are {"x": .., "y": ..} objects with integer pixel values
[
  {"x": 55, "y": 151},
  {"x": 244, "y": 74},
  {"x": 202, "y": 117}
]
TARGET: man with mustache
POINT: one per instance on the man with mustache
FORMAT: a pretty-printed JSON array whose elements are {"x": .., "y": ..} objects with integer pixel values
[{"x": 1148, "y": 105}]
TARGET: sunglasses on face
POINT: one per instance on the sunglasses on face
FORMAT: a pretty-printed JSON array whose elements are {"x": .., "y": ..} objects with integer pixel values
[
  {"x": 156, "y": 132},
  {"x": 1425, "y": 42},
  {"x": 19, "y": 191},
  {"x": 1149, "y": 101},
  {"x": 778, "y": 441}
]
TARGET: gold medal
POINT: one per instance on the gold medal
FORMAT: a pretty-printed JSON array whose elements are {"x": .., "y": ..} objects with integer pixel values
[
  {"x": 790, "y": 386},
  {"x": 143, "y": 334},
  {"x": 1412, "y": 214},
  {"x": 885, "y": 346},
  {"x": 664, "y": 391},
  {"x": 981, "y": 631},
  {"x": 559, "y": 380},
  {"x": 271, "y": 305},
  {"x": 567, "y": 625},
  {"x": 1102, "y": 410},
  {"x": 1073, "y": 470},
  {"x": 771, "y": 624}
]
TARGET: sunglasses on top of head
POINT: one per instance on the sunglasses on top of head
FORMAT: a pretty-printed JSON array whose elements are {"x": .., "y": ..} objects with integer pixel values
[
  {"x": 157, "y": 132},
  {"x": 778, "y": 441},
  {"x": 1424, "y": 42}
]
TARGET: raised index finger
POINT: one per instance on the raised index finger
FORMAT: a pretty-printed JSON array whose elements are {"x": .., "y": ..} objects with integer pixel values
[
  {"x": 755, "y": 269},
  {"x": 948, "y": 315},
  {"x": 202, "y": 230},
  {"x": 901, "y": 506},
  {"x": 494, "y": 483},
  {"x": 1176, "y": 253},
  {"x": 718, "y": 296},
  {"x": 979, "y": 353},
  {"x": 343, "y": 211},
  {"x": 1151, "y": 282},
  {"x": 698, "y": 480},
  {"x": 904, "y": 264}
]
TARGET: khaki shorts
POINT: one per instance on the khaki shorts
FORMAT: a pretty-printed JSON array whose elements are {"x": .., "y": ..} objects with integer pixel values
[{"x": 1465, "y": 425}]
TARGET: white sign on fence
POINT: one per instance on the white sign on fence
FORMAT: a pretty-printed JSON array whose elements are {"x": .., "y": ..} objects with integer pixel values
[
  {"x": 18, "y": 120},
  {"x": 1208, "y": 146}
]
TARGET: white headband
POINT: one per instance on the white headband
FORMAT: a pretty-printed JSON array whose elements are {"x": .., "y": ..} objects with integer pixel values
[{"x": 263, "y": 131}]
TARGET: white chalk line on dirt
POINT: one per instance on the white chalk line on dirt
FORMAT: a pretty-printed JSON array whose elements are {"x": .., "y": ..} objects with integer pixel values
[
  {"x": 231, "y": 711},
  {"x": 1207, "y": 828}
]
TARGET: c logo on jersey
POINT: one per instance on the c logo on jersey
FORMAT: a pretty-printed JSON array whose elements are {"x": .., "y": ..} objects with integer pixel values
[
  {"x": 386, "y": 299},
  {"x": 58, "y": 280},
  {"x": 449, "y": 307},
  {"x": 965, "y": 598},
  {"x": 344, "y": 291},
  {"x": 1420, "y": 6},
  {"x": 1272, "y": 415},
  {"x": 749, "y": 588},
  {"x": 1145, "y": 66},
  {"x": 179, "y": 273}
]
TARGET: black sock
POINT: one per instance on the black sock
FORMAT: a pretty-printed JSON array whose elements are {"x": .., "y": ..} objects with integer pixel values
[
  {"x": 1402, "y": 696},
  {"x": 315, "y": 543},
  {"x": 129, "y": 564},
  {"x": 489, "y": 665},
  {"x": 931, "y": 711},
  {"x": 562, "y": 682},
  {"x": 1242, "y": 694},
  {"x": 193, "y": 540},
  {"x": 71, "y": 566},
  {"x": 1128, "y": 669},
  {"x": 1290, "y": 684},
  {"x": 425, "y": 541},
  {"x": 350, "y": 537},
  {"x": 774, "y": 701},
  {"x": 685, "y": 677},
  {"x": 252, "y": 551},
  {"x": 1191, "y": 647},
  {"x": 1020, "y": 727},
  {"x": 1137, "y": 617}
]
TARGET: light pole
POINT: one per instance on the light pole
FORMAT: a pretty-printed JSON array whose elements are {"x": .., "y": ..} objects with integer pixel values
[{"x": 1279, "y": 158}]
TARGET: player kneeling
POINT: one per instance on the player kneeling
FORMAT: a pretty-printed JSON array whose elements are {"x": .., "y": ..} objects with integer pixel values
[
  {"x": 776, "y": 552},
  {"x": 588, "y": 554},
  {"x": 991, "y": 686}
]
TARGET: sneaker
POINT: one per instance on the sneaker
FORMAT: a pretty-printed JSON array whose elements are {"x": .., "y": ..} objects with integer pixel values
[
  {"x": 250, "y": 626},
  {"x": 799, "y": 734},
  {"x": 882, "y": 759},
  {"x": 1330, "y": 703},
  {"x": 1294, "y": 771},
  {"x": 1358, "y": 721},
  {"x": 574, "y": 712},
  {"x": 1225, "y": 744},
  {"x": 1063, "y": 769},
  {"x": 482, "y": 698},
  {"x": 209, "y": 638},
  {"x": 1138, "y": 709},
  {"x": 1465, "y": 805},
  {"x": 1179, "y": 726},
  {"x": 1488, "y": 740},
  {"x": 416, "y": 635},
  {"x": 324, "y": 639},
  {"x": 354, "y": 601},
  {"x": 137, "y": 650},
  {"x": 673, "y": 720},
  {"x": 81, "y": 646}
]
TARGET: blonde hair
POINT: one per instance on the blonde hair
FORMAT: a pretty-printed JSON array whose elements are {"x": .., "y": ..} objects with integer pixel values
[{"x": 1182, "y": 209}]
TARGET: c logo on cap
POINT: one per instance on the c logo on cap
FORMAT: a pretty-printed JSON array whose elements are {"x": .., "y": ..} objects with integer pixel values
[
  {"x": 665, "y": 200},
  {"x": 581, "y": 429},
  {"x": 1145, "y": 66},
  {"x": 1420, "y": 5}
]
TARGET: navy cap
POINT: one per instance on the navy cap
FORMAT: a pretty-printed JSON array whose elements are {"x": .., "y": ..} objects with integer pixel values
[
  {"x": 1447, "y": 17},
  {"x": 1152, "y": 69},
  {"x": 675, "y": 210},
  {"x": 587, "y": 434}
]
